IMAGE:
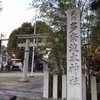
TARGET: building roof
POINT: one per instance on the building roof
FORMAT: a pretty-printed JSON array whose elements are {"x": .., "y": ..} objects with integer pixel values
[{"x": 46, "y": 60}]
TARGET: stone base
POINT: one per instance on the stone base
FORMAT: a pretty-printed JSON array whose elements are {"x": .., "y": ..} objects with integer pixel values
[{"x": 24, "y": 80}]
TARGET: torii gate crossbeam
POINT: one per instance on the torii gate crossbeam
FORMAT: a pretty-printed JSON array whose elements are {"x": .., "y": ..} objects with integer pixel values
[{"x": 27, "y": 45}]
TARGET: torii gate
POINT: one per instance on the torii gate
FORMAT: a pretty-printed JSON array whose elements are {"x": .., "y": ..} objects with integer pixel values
[{"x": 26, "y": 54}]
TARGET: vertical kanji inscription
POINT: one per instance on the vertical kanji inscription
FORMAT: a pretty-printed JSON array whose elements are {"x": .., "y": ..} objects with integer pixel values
[{"x": 74, "y": 80}]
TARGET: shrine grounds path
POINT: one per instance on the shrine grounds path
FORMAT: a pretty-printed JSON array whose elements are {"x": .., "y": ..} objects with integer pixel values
[{"x": 32, "y": 90}]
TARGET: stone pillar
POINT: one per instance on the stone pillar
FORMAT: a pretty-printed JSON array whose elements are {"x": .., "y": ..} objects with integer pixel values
[
  {"x": 64, "y": 88},
  {"x": 46, "y": 84},
  {"x": 0, "y": 61},
  {"x": 0, "y": 57},
  {"x": 55, "y": 86},
  {"x": 26, "y": 57},
  {"x": 93, "y": 88},
  {"x": 84, "y": 87},
  {"x": 74, "y": 66}
]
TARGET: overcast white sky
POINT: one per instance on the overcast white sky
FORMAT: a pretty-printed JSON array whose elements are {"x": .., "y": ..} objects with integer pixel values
[{"x": 14, "y": 14}]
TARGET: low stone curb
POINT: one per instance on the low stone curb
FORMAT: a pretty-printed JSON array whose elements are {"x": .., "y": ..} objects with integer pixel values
[{"x": 24, "y": 98}]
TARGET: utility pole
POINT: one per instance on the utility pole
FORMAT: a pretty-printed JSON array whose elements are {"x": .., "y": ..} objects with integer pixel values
[
  {"x": 0, "y": 38},
  {"x": 32, "y": 66}
]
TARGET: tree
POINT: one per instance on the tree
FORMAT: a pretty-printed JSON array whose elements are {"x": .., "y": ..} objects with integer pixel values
[
  {"x": 92, "y": 55},
  {"x": 54, "y": 13},
  {"x": 91, "y": 50},
  {"x": 57, "y": 40},
  {"x": 95, "y": 5},
  {"x": 26, "y": 28}
]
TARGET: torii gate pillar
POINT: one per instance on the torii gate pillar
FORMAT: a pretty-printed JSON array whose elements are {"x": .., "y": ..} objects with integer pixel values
[
  {"x": 25, "y": 67},
  {"x": 27, "y": 45}
]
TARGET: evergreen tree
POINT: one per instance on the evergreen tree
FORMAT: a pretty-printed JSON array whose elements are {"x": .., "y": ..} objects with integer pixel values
[
  {"x": 26, "y": 28},
  {"x": 95, "y": 5}
]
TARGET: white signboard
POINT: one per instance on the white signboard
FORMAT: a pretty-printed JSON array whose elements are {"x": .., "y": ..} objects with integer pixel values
[{"x": 74, "y": 73}]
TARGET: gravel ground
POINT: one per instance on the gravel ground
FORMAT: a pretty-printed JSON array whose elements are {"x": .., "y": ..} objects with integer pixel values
[
  {"x": 7, "y": 83},
  {"x": 32, "y": 90},
  {"x": 11, "y": 79},
  {"x": 10, "y": 84}
]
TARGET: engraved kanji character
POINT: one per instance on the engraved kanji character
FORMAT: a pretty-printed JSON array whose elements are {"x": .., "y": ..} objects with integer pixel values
[
  {"x": 73, "y": 37},
  {"x": 73, "y": 47},
  {"x": 73, "y": 26},
  {"x": 74, "y": 81},
  {"x": 74, "y": 68},
  {"x": 74, "y": 57},
  {"x": 73, "y": 15}
]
